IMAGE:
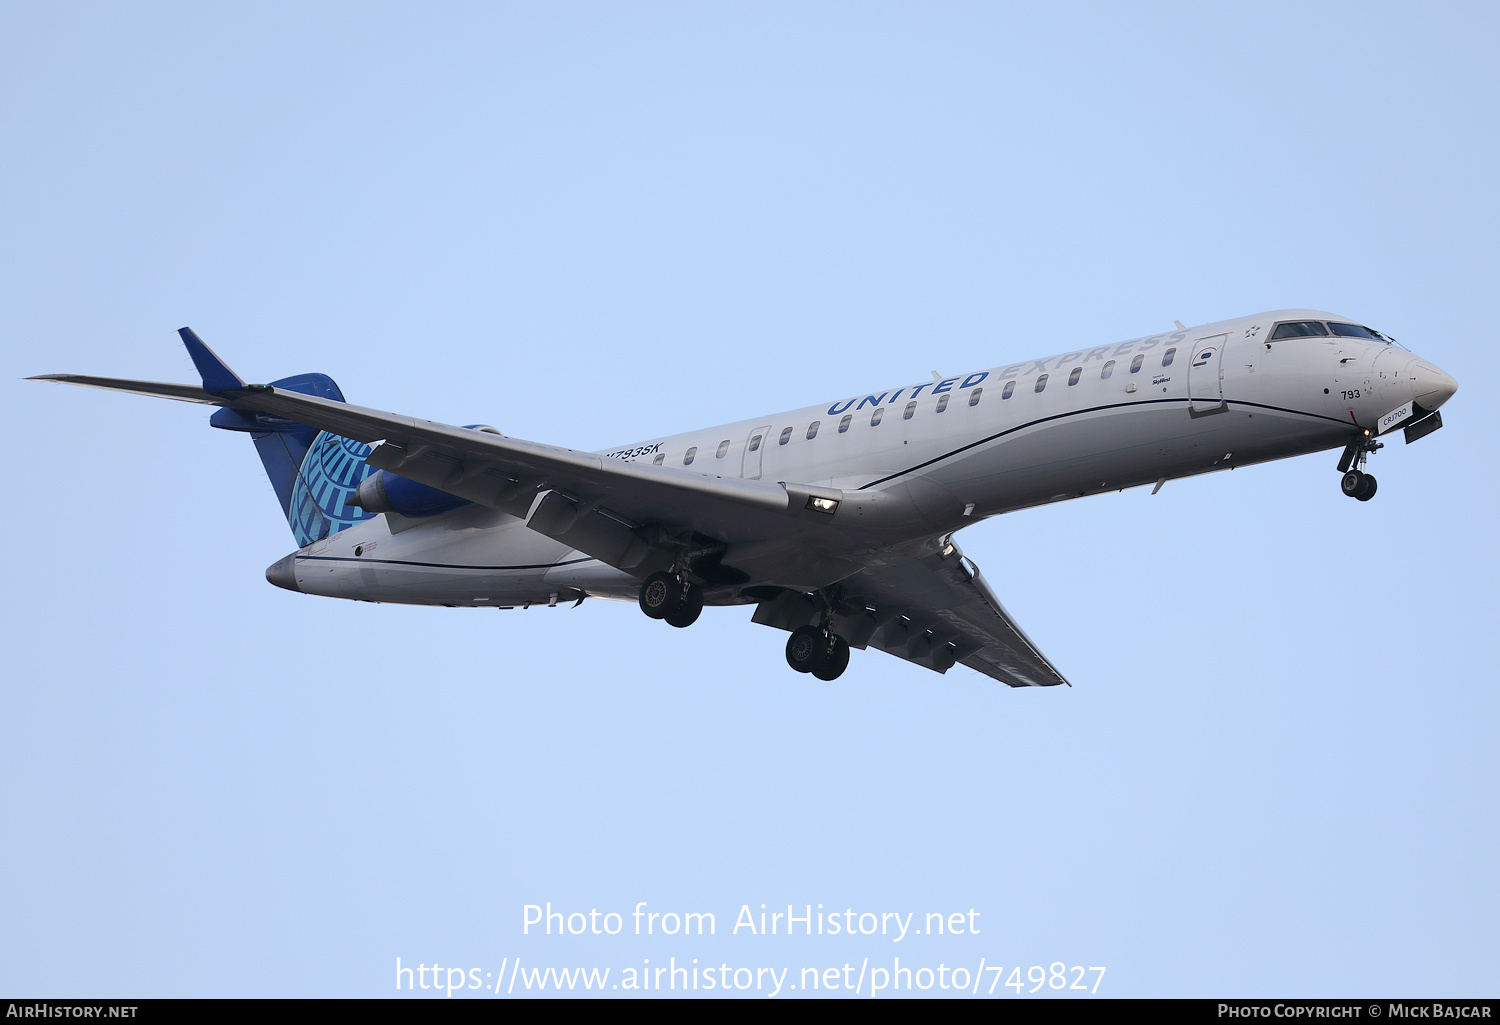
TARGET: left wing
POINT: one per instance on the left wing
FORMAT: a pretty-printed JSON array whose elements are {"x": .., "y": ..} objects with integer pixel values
[{"x": 630, "y": 515}]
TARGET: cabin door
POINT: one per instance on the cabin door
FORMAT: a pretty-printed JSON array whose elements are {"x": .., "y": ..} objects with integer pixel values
[{"x": 1206, "y": 376}]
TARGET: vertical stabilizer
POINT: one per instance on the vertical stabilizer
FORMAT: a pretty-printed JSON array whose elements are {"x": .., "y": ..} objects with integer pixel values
[{"x": 312, "y": 471}]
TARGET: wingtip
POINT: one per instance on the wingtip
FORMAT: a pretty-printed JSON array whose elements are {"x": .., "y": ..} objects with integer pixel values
[{"x": 217, "y": 377}]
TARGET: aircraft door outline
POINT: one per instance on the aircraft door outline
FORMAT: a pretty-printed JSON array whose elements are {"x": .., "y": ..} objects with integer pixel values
[
  {"x": 755, "y": 447},
  {"x": 1206, "y": 376}
]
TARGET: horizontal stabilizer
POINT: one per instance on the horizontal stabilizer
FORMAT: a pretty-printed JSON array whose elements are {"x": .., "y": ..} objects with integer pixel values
[{"x": 156, "y": 389}]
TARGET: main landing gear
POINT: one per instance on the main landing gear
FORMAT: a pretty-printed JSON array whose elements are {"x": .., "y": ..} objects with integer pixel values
[
  {"x": 1356, "y": 483},
  {"x": 671, "y": 598},
  {"x": 815, "y": 650}
]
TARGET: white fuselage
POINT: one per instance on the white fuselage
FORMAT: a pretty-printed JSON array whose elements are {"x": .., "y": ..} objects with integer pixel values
[{"x": 937, "y": 455}]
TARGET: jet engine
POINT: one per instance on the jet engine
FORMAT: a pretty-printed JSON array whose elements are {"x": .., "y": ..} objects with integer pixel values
[{"x": 385, "y": 492}]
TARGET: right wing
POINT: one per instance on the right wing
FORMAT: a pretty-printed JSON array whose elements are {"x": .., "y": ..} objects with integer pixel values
[{"x": 932, "y": 611}]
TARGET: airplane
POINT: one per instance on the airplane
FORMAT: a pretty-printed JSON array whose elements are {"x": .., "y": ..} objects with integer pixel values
[{"x": 836, "y": 522}]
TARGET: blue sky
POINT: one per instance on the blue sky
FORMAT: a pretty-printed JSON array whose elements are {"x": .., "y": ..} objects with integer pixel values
[{"x": 589, "y": 224}]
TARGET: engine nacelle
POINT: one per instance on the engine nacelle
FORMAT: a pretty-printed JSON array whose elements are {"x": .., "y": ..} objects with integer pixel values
[{"x": 385, "y": 492}]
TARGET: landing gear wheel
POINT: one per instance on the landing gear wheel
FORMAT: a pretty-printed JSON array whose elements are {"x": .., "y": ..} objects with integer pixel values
[
  {"x": 1352, "y": 483},
  {"x": 834, "y": 661},
  {"x": 1366, "y": 488},
  {"x": 688, "y": 607},
  {"x": 804, "y": 647},
  {"x": 659, "y": 595}
]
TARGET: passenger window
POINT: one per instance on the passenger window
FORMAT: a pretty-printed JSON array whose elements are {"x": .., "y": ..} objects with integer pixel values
[
  {"x": 688, "y": 459},
  {"x": 1041, "y": 382},
  {"x": 1299, "y": 329},
  {"x": 974, "y": 396},
  {"x": 844, "y": 423},
  {"x": 812, "y": 429},
  {"x": 1109, "y": 368},
  {"x": 911, "y": 408},
  {"x": 1135, "y": 364},
  {"x": 942, "y": 403},
  {"x": 754, "y": 443},
  {"x": 1166, "y": 357},
  {"x": 660, "y": 458},
  {"x": 1074, "y": 376},
  {"x": 875, "y": 417},
  {"x": 723, "y": 448},
  {"x": 786, "y": 436},
  {"x": 1010, "y": 389}
]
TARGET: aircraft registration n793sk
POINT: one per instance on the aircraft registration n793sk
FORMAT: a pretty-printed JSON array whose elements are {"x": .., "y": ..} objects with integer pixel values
[{"x": 835, "y": 521}]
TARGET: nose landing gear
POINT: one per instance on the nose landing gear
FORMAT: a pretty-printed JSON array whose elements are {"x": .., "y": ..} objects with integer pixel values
[
  {"x": 1356, "y": 483},
  {"x": 671, "y": 598}
]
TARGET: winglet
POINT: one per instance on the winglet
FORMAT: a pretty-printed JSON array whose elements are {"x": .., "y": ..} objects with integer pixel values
[{"x": 217, "y": 378}]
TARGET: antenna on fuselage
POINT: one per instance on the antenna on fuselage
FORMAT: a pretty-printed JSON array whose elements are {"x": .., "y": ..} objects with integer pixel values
[
  {"x": 1180, "y": 325},
  {"x": 937, "y": 378}
]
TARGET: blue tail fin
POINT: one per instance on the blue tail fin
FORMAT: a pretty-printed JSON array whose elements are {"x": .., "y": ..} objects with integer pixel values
[{"x": 312, "y": 471}]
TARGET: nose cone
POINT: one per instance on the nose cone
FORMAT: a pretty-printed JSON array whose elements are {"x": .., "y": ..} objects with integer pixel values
[
  {"x": 1430, "y": 387},
  {"x": 283, "y": 573}
]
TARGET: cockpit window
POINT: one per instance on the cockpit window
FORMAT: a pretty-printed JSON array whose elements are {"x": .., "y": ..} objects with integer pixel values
[
  {"x": 1355, "y": 331},
  {"x": 1299, "y": 329}
]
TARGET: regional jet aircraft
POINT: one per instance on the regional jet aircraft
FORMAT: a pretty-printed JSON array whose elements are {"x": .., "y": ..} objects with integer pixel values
[{"x": 835, "y": 521}]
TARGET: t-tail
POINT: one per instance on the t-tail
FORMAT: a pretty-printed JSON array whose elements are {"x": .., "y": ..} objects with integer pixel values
[
  {"x": 312, "y": 471},
  {"x": 317, "y": 475}
]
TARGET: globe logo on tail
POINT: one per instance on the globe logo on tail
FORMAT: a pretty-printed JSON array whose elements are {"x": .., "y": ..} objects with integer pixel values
[{"x": 331, "y": 470}]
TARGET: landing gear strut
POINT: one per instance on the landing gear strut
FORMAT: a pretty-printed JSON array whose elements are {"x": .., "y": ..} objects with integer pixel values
[
  {"x": 1356, "y": 483},
  {"x": 671, "y": 598}
]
